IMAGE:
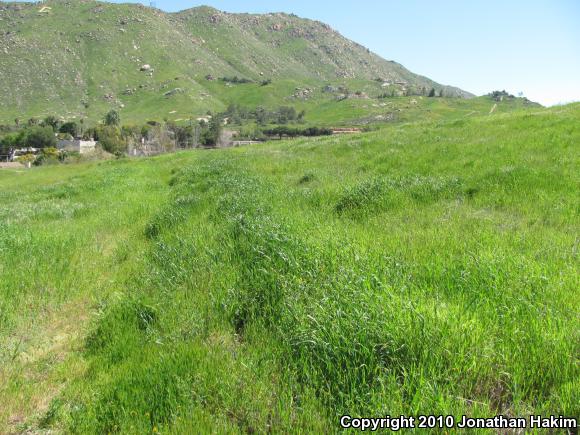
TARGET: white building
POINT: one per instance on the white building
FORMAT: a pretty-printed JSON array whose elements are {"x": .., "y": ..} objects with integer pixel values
[{"x": 80, "y": 146}]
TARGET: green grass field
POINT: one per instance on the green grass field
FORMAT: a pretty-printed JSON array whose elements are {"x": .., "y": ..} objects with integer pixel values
[{"x": 424, "y": 268}]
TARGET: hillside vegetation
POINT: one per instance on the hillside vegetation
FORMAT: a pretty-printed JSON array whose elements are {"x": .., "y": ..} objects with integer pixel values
[
  {"x": 425, "y": 268},
  {"x": 79, "y": 59}
]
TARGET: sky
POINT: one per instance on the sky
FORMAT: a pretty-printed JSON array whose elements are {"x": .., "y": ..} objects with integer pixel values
[{"x": 528, "y": 46}]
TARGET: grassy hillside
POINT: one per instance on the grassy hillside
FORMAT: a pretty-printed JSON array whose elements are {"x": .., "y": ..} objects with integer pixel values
[
  {"x": 79, "y": 59},
  {"x": 424, "y": 268}
]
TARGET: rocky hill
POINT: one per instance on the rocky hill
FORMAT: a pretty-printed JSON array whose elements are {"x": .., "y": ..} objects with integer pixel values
[{"x": 78, "y": 59}]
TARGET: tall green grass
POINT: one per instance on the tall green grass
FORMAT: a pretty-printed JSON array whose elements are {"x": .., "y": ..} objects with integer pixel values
[{"x": 422, "y": 269}]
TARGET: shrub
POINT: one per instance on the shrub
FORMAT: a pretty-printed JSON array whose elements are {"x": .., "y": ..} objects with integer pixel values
[
  {"x": 307, "y": 178},
  {"x": 49, "y": 155},
  {"x": 27, "y": 158},
  {"x": 236, "y": 80}
]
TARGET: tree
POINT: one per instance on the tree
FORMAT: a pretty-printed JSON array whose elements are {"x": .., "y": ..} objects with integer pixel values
[
  {"x": 261, "y": 116},
  {"x": 184, "y": 136},
  {"x": 431, "y": 93},
  {"x": 10, "y": 140},
  {"x": 40, "y": 137},
  {"x": 110, "y": 139},
  {"x": 112, "y": 118},
  {"x": 285, "y": 114},
  {"x": 52, "y": 122},
  {"x": 233, "y": 113},
  {"x": 210, "y": 136},
  {"x": 283, "y": 130},
  {"x": 69, "y": 128}
]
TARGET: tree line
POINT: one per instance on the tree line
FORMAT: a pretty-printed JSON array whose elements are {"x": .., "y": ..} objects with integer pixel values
[
  {"x": 117, "y": 139},
  {"x": 236, "y": 114},
  {"x": 111, "y": 135},
  {"x": 286, "y": 131}
]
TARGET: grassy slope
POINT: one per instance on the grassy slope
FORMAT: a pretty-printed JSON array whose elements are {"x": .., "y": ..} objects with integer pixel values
[
  {"x": 424, "y": 268},
  {"x": 66, "y": 61},
  {"x": 406, "y": 109}
]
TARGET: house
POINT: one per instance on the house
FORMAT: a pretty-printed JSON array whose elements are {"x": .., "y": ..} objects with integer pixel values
[{"x": 78, "y": 145}]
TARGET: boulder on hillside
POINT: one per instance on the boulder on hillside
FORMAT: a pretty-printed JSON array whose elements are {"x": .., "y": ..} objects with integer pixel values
[{"x": 173, "y": 92}]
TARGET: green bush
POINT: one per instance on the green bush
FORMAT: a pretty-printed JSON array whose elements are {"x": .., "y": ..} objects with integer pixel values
[
  {"x": 236, "y": 80},
  {"x": 47, "y": 156},
  {"x": 39, "y": 137},
  {"x": 110, "y": 139}
]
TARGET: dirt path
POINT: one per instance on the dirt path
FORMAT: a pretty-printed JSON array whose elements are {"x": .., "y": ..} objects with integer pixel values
[{"x": 11, "y": 165}]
